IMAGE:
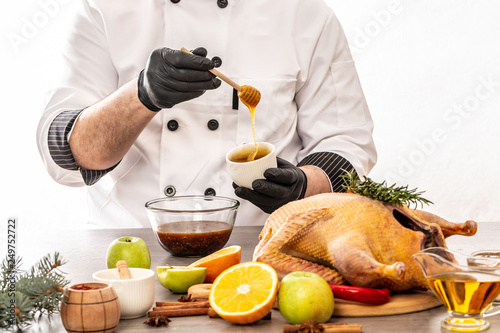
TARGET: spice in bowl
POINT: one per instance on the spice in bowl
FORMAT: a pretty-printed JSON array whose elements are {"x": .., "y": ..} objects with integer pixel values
[{"x": 84, "y": 287}]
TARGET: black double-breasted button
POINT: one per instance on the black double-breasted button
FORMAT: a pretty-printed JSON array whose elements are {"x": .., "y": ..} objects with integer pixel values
[
  {"x": 222, "y": 3},
  {"x": 217, "y": 61},
  {"x": 173, "y": 125},
  {"x": 210, "y": 191},
  {"x": 175, "y": 1},
  {"x": 169, "y": 190},
  {"x": 213, "y": 124}
]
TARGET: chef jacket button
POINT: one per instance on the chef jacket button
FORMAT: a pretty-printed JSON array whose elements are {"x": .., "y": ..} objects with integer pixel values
[
  {"x": 173, "y": 125},
  {"x": 210, "y": 191},
  {"x": 213, "y": 124},
  {"x": 175, "y": 1},
  {"x": 222, "y": 3},
  {"x": 217, "y": 61},
  {"x": 169, "y": 190}
]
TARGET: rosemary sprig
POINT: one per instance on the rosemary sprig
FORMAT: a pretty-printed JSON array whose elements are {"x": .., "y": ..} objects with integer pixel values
[{"x": 396, "y": 195}]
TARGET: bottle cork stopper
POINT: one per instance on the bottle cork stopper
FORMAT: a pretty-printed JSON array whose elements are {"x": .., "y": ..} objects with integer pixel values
[{"x": 123, "y": 270}]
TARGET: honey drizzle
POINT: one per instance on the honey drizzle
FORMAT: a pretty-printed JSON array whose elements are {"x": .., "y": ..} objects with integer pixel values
[
  {"x": 251, "y": 97},
  {"x": 251, "y": 157}
]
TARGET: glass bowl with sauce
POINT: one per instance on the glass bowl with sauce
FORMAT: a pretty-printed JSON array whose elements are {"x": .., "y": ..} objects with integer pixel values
[{"x": 192, "y": 226}]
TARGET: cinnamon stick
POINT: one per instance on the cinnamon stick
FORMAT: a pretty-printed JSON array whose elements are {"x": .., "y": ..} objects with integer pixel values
[
  {"x": 328, "y": 328},
  {"x": 190, "y": 305},
  {"x": 179, "y": 312},
  {"x": 196, "y": 301},
  {"x": 212, "y": 314}
]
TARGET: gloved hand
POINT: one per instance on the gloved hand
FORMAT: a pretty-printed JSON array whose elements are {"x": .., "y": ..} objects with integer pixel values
[
  {"x": 172, "y": 76},
  {"x": 282, "y": 185}
]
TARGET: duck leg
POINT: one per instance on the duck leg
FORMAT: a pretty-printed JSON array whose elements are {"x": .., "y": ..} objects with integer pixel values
[
  {"x": 360, "y": 268},
  {"x": 467, "y": 228}
]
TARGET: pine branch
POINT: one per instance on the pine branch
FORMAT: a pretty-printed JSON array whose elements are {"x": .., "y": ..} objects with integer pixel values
[
  {"x": 36, "y": 292},
  {"x": 22, "y": 312},
  {"x": 396, "y": 195}
]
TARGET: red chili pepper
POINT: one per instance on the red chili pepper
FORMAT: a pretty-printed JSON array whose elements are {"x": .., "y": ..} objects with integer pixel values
[{"x": 361, "y": 294}]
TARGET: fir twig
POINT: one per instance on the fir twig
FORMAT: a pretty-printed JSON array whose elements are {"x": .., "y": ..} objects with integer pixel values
[
  {"x": 396, "y": 195},
  {"x": 35, "y": 292}
]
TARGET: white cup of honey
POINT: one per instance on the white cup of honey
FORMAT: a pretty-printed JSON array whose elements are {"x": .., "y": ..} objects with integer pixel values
[{"x": 244, "y": 172}]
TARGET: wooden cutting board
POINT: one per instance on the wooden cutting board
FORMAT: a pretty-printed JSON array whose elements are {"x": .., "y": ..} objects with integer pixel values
[{"x": 406, "y": 302}]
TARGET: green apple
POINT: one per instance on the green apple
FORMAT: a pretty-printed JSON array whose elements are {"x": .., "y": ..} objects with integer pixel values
[
  {"x": 305, "y": 296},
  {"x": 131, "y": 249},
  {"x": 178, "y": 279}
]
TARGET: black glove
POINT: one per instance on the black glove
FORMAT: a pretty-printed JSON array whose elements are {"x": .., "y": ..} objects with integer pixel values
[
  {"x": 282, "y": 185},
  {"x": 172, "y": 76}
]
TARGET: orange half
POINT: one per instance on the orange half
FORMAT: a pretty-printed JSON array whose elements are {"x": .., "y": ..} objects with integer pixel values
[
  {"x": 244, "y": 293},
  {"x": 219, "y": 261}
]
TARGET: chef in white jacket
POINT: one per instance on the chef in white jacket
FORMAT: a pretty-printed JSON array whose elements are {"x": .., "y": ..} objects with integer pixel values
[{"x": 133, "y": 118}]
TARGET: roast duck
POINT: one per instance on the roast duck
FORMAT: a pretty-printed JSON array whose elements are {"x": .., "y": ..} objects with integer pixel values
[{"x": 352, "y": 239}]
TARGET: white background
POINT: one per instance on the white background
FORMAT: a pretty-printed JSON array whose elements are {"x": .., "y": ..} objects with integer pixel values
[{"x": 430, "y": 70}]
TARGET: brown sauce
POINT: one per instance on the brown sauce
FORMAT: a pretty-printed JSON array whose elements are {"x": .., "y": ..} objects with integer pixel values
[{"x": 193, "y": 238}]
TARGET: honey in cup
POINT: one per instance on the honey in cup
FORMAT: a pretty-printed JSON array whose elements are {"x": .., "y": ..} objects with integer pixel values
[
  {"x": 244, "y": 172},
  {"x": 241, "y": 156},
  {"x": 466, "y": 285},
  {"x": 465, "y": 292}
]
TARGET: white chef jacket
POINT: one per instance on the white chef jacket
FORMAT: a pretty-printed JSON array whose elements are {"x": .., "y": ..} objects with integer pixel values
[{"x": 293, "y": 51}]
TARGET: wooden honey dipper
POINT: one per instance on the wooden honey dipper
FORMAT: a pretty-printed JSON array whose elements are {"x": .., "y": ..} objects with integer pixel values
[
  {"x": 123, "y": 270},
  {"x": 248, "y": 95}
]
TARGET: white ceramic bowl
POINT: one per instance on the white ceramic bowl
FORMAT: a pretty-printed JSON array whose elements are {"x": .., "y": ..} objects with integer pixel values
[
  {"x": 136, "y": 295},
  {"x": 244, "y": 173}
]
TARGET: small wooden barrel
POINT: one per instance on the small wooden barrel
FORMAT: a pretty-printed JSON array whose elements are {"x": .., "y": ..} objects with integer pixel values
[{"x": 90, "y": 307}]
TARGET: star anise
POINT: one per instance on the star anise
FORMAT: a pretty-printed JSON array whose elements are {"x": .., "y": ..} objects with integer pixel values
[
  {"x": 187, "y": 299},
  {"x": 157, "y": 321},
  {"x": 310, "y": 326}
]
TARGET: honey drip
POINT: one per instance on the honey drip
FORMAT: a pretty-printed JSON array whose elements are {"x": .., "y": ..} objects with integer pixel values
[
  {"x": 251, "y": 97},
  {"x": 251, "y": 157}
]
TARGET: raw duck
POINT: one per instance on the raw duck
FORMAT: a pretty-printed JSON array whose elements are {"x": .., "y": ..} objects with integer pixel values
[{"x": 352, "y": 239}]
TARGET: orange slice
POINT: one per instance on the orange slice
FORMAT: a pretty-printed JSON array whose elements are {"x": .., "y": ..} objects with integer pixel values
[
  {"x": 244, "y": 293},
  {"x": 219, "y": 261}
]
